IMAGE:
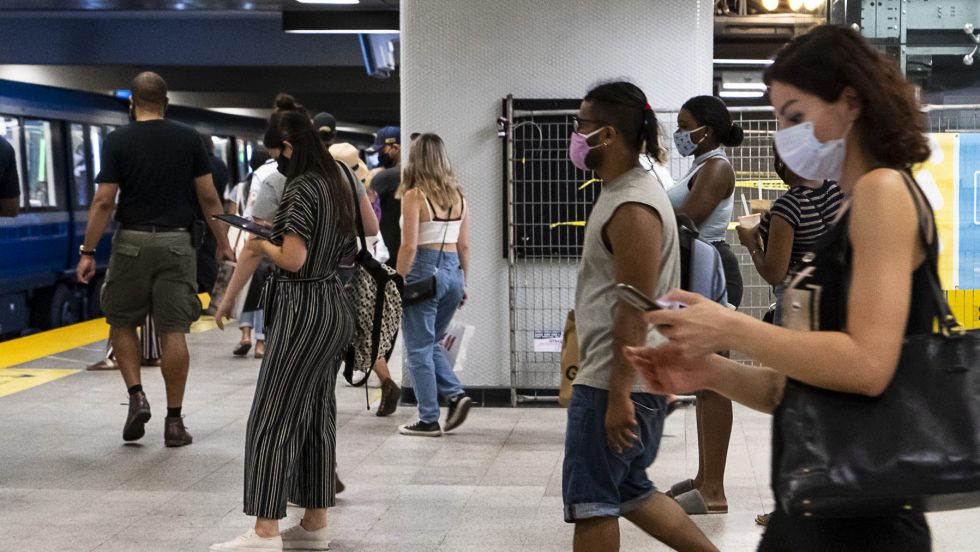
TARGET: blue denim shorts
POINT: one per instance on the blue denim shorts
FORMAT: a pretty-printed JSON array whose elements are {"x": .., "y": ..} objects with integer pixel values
[{"x": 597, "y": 482}]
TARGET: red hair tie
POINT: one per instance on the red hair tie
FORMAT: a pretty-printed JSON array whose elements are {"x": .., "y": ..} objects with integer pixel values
[{"x": 647, "y": 108}]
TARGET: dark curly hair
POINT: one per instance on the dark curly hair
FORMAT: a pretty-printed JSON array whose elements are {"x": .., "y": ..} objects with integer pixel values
[
  {"x": 712, "y": 112},
  {"x": 830, "y": 58}
]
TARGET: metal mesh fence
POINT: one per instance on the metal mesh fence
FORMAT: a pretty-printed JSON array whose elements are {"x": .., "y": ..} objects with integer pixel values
[{"x": 548, "y": 202}]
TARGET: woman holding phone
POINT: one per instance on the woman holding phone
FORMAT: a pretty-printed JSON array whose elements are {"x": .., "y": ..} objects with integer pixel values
[{"x": 845, "y": 113}]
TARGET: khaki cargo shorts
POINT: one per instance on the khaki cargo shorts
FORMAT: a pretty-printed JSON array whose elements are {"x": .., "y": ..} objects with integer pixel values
[{"x": 152, "y": 273}]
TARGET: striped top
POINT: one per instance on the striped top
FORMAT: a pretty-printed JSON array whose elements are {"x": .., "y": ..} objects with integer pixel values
[
  {"x": 809, "y": 211},
  {"x": 307, "y": 209}
]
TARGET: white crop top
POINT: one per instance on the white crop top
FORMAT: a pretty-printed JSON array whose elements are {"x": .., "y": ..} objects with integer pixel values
[{"x": 432, "y": 232}]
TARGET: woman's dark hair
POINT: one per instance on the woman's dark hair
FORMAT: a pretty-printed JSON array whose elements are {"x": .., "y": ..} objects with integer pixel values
[
  {"x": 830, "y": 58},
  {"x": 712, "y": 112},
  {"x": 284, "y": 103},
  {"x": 624, "y": 106},
  {"x": 311, "y": 156}
]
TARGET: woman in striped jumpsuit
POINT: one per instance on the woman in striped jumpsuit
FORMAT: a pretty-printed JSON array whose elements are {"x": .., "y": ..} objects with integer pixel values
[{"x": 291, "y": 436}]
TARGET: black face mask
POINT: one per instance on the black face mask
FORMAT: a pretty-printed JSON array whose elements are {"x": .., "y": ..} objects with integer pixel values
[
  {"x": 386, "y": 160},
  {"x": 282, "y": 164}
]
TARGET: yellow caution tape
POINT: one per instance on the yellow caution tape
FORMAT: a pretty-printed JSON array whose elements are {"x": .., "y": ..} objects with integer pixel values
[
  {"x": 589, "y": 182},
  {"x": 571, "y": 223}
]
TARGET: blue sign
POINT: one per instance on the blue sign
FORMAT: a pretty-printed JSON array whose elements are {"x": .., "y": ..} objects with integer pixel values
[{"x": 969, "y": 203}]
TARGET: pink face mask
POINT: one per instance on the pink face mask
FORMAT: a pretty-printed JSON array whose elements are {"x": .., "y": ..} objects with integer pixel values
[{"x": 579, "y": 148}]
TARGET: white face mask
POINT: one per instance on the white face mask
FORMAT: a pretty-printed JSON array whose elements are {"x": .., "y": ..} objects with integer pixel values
[
  {"x": 807, "y": 156},
  {"x": 686, "y": 146}
]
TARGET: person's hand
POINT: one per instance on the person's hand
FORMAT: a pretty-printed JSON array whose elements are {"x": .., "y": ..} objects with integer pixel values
[
  {"x": 667, "y": 371},
  {"x": 223, "y": 311},
  {"x": 750, "y": 238},
  {"x": 225, "y": 252},
  {"x": 620, "y": 423},
  {"x": 701, "y": 328},
  {"x": 85, "y": 269}
]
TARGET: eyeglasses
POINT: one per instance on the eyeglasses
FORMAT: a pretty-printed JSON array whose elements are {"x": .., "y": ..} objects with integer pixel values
[{"x": 577, "y": 122}]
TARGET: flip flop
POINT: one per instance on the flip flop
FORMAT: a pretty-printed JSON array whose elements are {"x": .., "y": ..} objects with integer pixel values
[
  {"x": 680, "y": 488},
  {"x": 242, "y": 348},
  {"x": 763, "y": 519},
  {"x": 693, "y": 503}
]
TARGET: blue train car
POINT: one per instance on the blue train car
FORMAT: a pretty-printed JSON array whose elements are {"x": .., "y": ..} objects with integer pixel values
[{"x": 57, "y": 135}]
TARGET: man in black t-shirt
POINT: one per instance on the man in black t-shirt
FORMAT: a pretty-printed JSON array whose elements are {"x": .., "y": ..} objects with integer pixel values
[
  {"x": 385, "y": 184},
  {"x": 162, "y": 174},
  {"x": 207, "y": 264},
  {"x": 9, "y": 180}
]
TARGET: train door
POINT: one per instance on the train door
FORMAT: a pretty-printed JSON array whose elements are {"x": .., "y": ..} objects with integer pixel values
[{"x": 14, "y": 282}]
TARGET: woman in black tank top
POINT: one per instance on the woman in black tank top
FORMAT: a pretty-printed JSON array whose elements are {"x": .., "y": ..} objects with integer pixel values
[{"x": 845, "y": 113}]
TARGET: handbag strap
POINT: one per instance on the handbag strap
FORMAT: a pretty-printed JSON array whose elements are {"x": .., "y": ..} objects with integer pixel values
[
  {"x": 947, "y": 321},
  {"x": 357, "y": 206},
  {"x": 445, "y": 232}
]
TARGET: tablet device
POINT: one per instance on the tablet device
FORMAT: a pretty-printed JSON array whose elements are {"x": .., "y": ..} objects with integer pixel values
[{"x": 246, "y": 225}]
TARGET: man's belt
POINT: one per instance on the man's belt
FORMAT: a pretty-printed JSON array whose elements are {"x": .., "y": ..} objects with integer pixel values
[{"x": 151, "y": 228}]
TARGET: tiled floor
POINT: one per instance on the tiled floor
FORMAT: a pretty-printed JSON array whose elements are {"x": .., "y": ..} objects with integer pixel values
[{"x": 68, "y": 483}]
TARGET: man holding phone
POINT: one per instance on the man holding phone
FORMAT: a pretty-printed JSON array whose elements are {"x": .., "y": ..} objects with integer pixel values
[
  {"x": 614, "y": 425},
  {"x": 161, "y": 173}
]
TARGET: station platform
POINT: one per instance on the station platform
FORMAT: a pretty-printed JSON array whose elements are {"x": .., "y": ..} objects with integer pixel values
[{"x": 69, "y": 483}]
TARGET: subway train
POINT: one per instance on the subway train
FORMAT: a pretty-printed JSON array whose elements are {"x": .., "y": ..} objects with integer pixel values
[{"x": 57, "y": 135}]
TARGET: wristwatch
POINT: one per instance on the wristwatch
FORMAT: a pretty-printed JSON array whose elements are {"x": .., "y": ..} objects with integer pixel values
[{"x": 82, "y": 251}]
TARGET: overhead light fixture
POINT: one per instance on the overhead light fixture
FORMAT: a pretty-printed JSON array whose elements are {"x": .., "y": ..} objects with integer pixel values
[
  {"x": 812, "y": 5},
  {"x": 795, "y": 5},
  {"x": 329, "y": 1},
  {"x": 741, "y": 94},
  {"x": 340, "y": 22},
  {"x": 744, "y": 86},
  {"x": 729, "y": 61},
  {"x": 770, "y": 5}
]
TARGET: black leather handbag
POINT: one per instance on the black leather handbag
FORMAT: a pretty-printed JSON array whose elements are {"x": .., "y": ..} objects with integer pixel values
[
  {"x": 421, "y": 290},
  {"x": 916, "y": 447}
]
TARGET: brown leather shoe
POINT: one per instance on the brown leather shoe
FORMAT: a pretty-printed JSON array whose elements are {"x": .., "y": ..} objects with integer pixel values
[
  {"x": 175, "y": 434},
  {"x": 139, "y": 414},
  {"x": 390, "y": 392}
]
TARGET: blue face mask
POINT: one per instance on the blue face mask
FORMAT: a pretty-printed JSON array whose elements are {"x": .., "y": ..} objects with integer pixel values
[{"x": 686, "y": 146}]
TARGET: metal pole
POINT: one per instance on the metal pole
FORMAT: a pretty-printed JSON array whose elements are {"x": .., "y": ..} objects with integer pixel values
[{"x": 511, "y": 260}]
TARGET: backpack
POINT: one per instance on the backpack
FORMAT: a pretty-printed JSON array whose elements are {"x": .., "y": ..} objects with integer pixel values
[{"x": 702, "y": 271}]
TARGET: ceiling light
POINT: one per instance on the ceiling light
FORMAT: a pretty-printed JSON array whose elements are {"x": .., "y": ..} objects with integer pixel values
[
  {"x": 770, "y": 5},
  {"x": 744, "y": 86},
  {"x": 795, "y": 5},
  {"x": 729, "y": 61},
  {"x": 742, "y": 94},
  {"x": 812, "y": 5},
  {"x": 341, "y": 22},
  {"x": 329, "y": 1}
]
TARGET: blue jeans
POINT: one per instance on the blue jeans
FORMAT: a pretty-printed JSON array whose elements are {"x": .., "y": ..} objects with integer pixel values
[
  {"x": 425, "y": 325},
  {"x": 255, "y": 320},
  {"x": 597, "y": 482}
]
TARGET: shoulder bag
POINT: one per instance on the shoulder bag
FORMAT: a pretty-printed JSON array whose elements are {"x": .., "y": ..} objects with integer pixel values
[
  {"x": 916, "y": 447},
  {"x": 376, "y": 292}
]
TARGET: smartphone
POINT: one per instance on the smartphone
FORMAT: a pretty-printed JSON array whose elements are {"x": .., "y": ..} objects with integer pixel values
[
  {"x": 246, "y": 225},
  {"x": 636, "y": 298}
]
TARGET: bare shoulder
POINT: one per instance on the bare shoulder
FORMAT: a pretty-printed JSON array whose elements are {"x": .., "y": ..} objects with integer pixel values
[{"x": 882, "y": 193}]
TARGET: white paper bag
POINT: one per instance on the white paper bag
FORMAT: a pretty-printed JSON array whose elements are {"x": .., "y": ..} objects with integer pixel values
[{"x": 456, "y": 343}]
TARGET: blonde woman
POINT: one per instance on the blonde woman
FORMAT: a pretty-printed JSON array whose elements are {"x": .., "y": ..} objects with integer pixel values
[{"x": 435, "y": 223}]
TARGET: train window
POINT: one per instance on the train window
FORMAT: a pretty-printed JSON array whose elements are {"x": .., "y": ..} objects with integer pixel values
[
  {"x": 95, "y": 141},
  {"x": 40, "y": 164},
  {"x": 220, "y": 148},
  {"x": 10, "y": 129},
  {"x": 242, "y": 155},
  {"x": 79, "y": 168}
]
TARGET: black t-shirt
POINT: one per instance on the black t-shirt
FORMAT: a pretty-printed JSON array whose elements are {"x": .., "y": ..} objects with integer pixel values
[
  {"x": 9, "y": 182},
  {"x": 219, "y": 174},
  {"x": 385, "y": 184},
  {"x": 155, "y": 164}
]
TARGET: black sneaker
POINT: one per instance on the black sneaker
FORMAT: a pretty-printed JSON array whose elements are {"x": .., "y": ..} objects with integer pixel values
[
  {"x": 421, "y": 429},
  {"x": 459, "y": 407}
]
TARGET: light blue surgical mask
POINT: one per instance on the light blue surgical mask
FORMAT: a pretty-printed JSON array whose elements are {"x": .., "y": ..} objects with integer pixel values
[{"x": 686, "y": 146}]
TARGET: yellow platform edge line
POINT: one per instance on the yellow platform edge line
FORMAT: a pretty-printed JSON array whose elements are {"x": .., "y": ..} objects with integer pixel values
[{"x": 39, "y": 345}]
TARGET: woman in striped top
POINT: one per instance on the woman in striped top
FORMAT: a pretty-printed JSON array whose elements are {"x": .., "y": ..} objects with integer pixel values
[
  {"x": 291, "y": 435},
  {"x": 797, "y": 220}
]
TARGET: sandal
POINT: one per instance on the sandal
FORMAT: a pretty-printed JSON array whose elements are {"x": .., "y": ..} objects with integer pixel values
[
  {"x": 763, "y": 519},
  {"x": 693, "y": 503},
  {"x": 680, "y": 488},
  {"x": 242, "y": 348},
  {"x": 260, "y": 349}
]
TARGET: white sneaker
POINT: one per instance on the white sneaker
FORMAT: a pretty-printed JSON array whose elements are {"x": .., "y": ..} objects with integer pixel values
[
  {"x": 250, "y": 541},
  {"x": 298, "y": 538}
]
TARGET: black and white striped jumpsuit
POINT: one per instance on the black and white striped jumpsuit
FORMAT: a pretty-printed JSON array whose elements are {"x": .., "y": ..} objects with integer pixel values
[{"x": 291, "y": 436}]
